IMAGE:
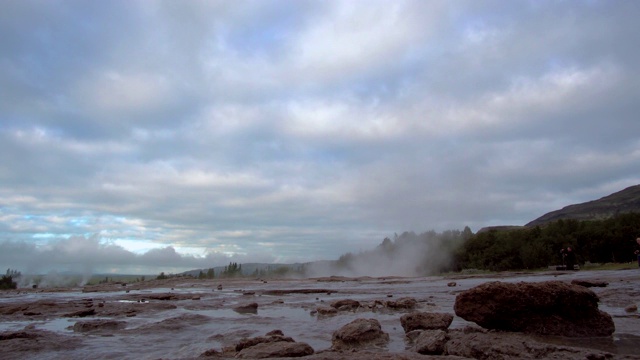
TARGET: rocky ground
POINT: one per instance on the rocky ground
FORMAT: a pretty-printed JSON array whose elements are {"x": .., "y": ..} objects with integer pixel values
[{"x": 551, "y": 315}]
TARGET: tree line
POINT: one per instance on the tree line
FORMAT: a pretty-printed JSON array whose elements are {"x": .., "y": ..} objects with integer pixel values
[{"x": 598, "y": 241}]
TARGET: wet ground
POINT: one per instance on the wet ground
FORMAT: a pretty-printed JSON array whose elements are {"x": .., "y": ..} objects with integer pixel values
[{"x": 182, "y": 318}]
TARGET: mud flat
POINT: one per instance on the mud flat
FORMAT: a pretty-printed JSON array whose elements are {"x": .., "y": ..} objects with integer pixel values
[{"x": 309, "y": 318}]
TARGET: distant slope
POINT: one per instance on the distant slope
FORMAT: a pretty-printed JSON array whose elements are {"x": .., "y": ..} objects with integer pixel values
[{"x": 625, "y": 201}]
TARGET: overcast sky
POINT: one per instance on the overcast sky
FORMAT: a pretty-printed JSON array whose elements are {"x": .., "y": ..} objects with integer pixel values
[{"x": 139, "y": 136}]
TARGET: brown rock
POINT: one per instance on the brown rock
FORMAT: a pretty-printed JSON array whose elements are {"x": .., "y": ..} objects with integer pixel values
[
  {"x": 589, "y": 283},
  {"x": 82, "y": 313},
  {"x": 251, "y": 308},
  {"x": 431, "y": 342},
  {"x": 209, "y": 353},
  {"x": 98, "y": 326},
  {"x": 326, "y": 311},
  {"x": 276, "y": 350},
  {"x": 425, "y": 321},
  {"x": 548, "y": 308},
  {"x": 402, "y": 303},
  {"x": 476, "y": 344},
  {"x": 359, "y": 333},
  {"x": 631, "y": 308},
  {"x": 346, "y": 304},
  {"x": 247, "y": 343}
]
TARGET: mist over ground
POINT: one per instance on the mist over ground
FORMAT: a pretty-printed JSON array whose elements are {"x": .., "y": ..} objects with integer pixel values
[{"x": 409, "y": 254}]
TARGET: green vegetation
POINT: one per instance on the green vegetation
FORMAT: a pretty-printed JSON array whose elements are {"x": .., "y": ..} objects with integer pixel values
[
  {"x": 233, "y": 270},
  {"x": 7, "y": 282},
  {"x": 602, "y": 241},
  {"x": 280, "y": 271},
  {"x": 210, "y": 274}
]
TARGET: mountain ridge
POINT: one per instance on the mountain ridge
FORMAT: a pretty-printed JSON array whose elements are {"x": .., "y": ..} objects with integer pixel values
[{"x": 621, "y": 202}]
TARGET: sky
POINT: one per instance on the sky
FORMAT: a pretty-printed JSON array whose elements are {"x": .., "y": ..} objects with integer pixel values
[{"x": 147, "y": 136}]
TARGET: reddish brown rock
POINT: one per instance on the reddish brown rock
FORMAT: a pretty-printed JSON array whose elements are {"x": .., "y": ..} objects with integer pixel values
[
  {"x": 326, "y": 311},
  {"x": 489, "y": 345},
  {"x": 82, "y": 313},
  {"x": 402, "y": 303},
  {"x": 276, "y": 350},
  {"x": 548, "y": 308},
  {"x": 359, "y": 333},
  {"x": 346, "y": 304},
  {"x": 247, "y": 343},
  {"x": 589, "y": 283},
  {"x": 425, "y": 321},
  {"x": 98, "y": 325},
  {"x": 251, "y": 308},
  {"x": 431, "y": 342}
]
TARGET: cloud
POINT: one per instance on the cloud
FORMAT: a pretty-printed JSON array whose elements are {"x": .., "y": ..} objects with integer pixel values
[{"x": 300, "y": 130}]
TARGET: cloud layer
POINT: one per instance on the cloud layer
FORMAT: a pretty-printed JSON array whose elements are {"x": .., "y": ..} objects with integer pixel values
[{"x": 300, "y": 130}]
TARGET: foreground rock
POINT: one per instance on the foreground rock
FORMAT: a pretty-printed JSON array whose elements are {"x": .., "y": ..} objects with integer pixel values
[
  {"x": 547, "y": 308},
  {"x": 425, "y": 321},
  {"x": 359, "y": 333},
  {"x": 431, "y": 342},
  {"x": 276, "y": 350},
  {"x": 273, "y": 345},
  {"x": 34, "y": 344},
  {"x": 489, "y": 345}
]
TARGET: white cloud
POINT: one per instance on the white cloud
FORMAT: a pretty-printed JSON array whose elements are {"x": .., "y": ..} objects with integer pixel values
[{"x": 303, "y": 130}]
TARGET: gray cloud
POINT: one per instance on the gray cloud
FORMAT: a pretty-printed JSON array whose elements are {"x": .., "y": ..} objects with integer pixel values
[{"x": 296, "y": 130}]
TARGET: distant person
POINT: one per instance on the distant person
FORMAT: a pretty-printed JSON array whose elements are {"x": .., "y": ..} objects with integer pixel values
[
  {"x": 570, "y": 258},
  {"x": 637, "y": 252}
]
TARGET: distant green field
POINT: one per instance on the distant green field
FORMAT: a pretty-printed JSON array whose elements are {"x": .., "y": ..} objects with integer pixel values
[{"x": 610, "y": 266}]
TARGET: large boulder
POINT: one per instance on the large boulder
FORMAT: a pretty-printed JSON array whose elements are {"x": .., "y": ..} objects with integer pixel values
[
  {"x": 425, "y": 321},
  {"x": 359, "y": 333},
  {"x": 548, "y": 308}
]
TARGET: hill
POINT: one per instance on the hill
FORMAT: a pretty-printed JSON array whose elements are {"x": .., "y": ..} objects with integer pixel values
[{"x": 621, "y": 202}]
